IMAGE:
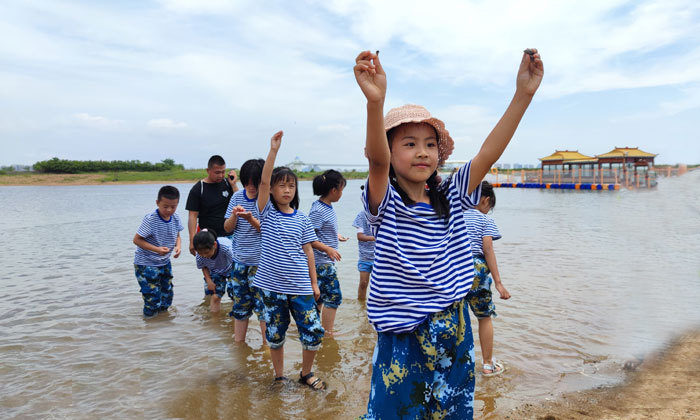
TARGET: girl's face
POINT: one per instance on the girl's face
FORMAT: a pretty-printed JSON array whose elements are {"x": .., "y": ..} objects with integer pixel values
[
  {"x": 283, "y": 191},
  {"x": 414, "y": 151},
  {"x": 335, "y": 193},
  {"x": 251, "y": 191},
  {"x": 207, "y": 252}
]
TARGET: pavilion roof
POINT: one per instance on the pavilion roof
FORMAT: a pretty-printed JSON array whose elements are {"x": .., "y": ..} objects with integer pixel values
[
  {"x": 569, "y": 156},
  {"x": 630, "y": 151}
]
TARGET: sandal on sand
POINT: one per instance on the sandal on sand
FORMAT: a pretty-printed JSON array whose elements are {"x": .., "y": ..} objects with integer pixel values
[
  {"x": 316, "y": 385},
  {"x": 493, "y": 369}
]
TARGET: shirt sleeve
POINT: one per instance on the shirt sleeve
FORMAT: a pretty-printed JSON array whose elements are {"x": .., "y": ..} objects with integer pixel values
[
  {"x": 490, "y": 229},
  {"x": 460, "y": 183},
  {"x": 231, "y": 204},
  {"x": 145, "y": 230},
  {"x": 200, "y": 262},
  {"x": 266, "y": 210},
  {"x": 193, "y": 198},
  {"x": 358, "y": 221},
  {"x": 316, "y": 218},
  {"x": 308, "y": 234},
  {"x": 179, "y": 226},
  {"x": 376, "y": 220}
]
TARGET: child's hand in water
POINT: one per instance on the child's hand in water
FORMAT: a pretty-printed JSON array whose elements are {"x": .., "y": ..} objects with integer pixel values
[
  {"x": 276, "y": 141},
  {"x": 163, "y": 250},
  {"x": 370, "y": 76},
  {"x": 530, "y": 72}
]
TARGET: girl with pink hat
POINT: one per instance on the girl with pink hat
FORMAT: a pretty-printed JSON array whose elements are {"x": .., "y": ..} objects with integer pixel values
[{"x": 423, "y": 364}]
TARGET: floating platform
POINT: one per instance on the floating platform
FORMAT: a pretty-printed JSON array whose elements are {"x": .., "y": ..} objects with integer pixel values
[{"x": 558, "y": 186}]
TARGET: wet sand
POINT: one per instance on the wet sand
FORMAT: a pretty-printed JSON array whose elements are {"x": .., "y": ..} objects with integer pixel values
[{"x": 665, "y": 386}]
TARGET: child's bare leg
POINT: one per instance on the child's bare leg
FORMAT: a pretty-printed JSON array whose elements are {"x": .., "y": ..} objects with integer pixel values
[
  {"x": 277, "y": 356},
  {"x": 215, "y": 303},
  {"x": 362, "y": 288},
  {"x": 328, "y": 319},
  {"x": 263, "y": 328},
  {"x": 486, "y": 339},
  {"x": 307, "y": 361},
  {"x": 240, "y": 327}
]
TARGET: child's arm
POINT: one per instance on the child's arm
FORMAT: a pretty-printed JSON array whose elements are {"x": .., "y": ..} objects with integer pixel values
[
  {"x": 192, "y": 229},
  {"x": 371, "y": 78},
  {"x": 312, "y": 269},
  {"x": 230, "y": 223},
  {"x": 264, "y": 187},
  {"x": 178, "y": 248},
  {"x": 142, "y": 243},
  {"x": 232, "y": 182},
  {"x": 248, "y": 216},
  {"x": 207, "y": 277},
  {"x": 528, "y": 80},
  {"x": 365, "y": 238},
  {"x": 490, "y": 257},
  {"x": 328, "y": 250},
  {"x": 342, "y": 238}
]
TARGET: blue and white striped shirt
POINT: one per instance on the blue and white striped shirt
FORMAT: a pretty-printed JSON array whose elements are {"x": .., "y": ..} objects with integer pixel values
[
  {"x": 325, "y": 223},
  {"x": 478, "y": 226},
  {"x": 283, "y": 266},
  {"x": 366, "y": 248},
  {"x": 221, "y": 262},
  {"x": 158, "y": 232},
  {"x": 422, "y": 264},
  {"x": 246, "y": 239}
]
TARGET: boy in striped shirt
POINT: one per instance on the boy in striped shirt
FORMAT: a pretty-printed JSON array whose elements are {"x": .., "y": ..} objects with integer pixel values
[{"x": 156, "y": 239}]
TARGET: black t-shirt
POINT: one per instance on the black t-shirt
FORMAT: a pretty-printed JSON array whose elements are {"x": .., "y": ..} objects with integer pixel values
[{"x": 211, "y": 201}]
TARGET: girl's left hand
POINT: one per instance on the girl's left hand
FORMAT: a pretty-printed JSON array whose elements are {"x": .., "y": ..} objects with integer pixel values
[
  {"x": 176, "y": 252},
  {"x": 530, "y": 73},
  {"x": 317, "y": 292},
  {"x": 342, "y": 238}
]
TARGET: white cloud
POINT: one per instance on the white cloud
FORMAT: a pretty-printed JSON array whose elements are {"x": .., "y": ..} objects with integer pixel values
[
  {"x": 96, "y": 121},
  {"x": 166, "y": 124}
]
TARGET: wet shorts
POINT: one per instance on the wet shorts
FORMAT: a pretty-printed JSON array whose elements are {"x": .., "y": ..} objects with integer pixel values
[
  {"x": 480, "y": 297},
  {"x": 278, "y": 307},
  {"x": 427, "y": 373},
  {"x": 365, "y": 266},
  {"x": 156, "y": 287},
  {"x": 220, "y": 281},
  {"x": 246, "y": 298},
  {"x": 329, "y": 285}
]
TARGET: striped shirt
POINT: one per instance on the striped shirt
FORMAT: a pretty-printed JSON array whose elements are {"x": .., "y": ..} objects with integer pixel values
[
  {"x": 366, "y": 248},
  {"x": 325, "y": 223},
  {"x": 221, "y": 262},
  {"x": 283, "y": 266},
  {"x": 158, "y": 232},
  {"x": 422, "y": 264},
  {"x": 246, "y": 239},
  {"x": 478, "y": 226}
]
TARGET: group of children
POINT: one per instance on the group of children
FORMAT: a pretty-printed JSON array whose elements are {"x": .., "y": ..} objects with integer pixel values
[{"x": 432, "y": 243}]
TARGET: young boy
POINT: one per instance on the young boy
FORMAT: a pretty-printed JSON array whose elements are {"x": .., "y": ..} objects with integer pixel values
[{"x": 156, "y": 239}]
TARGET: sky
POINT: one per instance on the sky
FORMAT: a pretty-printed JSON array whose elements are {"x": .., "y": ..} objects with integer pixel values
[{"x": 186, "y": 79}]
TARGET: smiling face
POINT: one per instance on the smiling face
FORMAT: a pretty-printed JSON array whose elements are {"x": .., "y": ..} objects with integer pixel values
[{"x": 414, "y": 152}]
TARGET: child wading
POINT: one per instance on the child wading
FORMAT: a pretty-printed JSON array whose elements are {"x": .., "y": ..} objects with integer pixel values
[
  {"x": 215, "y": 259},
  {"x": 423, "y": 364},
  {"x": 365, "y": 245},
  {"x": 329, "y": 186},
  {"x": 156, "y": 239},
  {"x": 482, "y": 232},
  {"x": 243, "y": 219},
  {"x": 287, "y": 275}
]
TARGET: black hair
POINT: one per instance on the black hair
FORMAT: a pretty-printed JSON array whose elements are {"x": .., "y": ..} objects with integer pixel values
[
  {"x": 169, "y": 192},
  {"x": 438, "y": 199},
  {"x": 324, "y": 183},
  {"x": 283, "y": 173},
  {"x": 251, "y": 171},
  {"x": 487, "y": 191},
  {"x": 216, "y": 160},
  {"x": 204, "y": 239}
]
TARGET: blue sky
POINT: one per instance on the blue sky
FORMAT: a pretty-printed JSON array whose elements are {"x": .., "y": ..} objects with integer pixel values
[{"x": 185, "y": 79}]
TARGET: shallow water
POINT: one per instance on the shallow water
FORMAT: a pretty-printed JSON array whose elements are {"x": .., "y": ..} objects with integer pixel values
[{"x": 595, "y": 277}]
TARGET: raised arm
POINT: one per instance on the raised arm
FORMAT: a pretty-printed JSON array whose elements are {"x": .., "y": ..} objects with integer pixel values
[
  {"x": 371, "y": 78},
  {"x": 529, "y": 77},
  {"x": 264, "y": 188}
]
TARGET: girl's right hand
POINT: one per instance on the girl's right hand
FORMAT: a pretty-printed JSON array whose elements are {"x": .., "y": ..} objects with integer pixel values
[
  {"x": 163, "y": 250},
  {"x": 276, "y": 140},
  {"x": 370, "y": 76}
]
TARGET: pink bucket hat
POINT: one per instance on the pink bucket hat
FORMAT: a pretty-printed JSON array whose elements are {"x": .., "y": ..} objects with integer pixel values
[{"x": 418, "y": 114}]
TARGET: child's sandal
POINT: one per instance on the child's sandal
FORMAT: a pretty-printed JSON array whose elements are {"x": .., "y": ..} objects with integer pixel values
[
  {"x": 317, "y": 385},
  {"x": 492, "y": 369}
]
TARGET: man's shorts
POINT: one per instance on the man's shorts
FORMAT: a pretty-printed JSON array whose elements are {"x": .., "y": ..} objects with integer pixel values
[
  {"x": 220, "y": 281},
  {"x": 365, "y": 266},
  {"x": 329, "y": 285},
  {"x": 278, "y": 307},
  {"x": 246, "y": 298},
  {"x": 480, "y": 297}
]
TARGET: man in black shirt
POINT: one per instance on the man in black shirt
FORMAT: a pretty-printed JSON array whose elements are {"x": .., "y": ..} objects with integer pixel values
[{"x": 208, "y": 199}]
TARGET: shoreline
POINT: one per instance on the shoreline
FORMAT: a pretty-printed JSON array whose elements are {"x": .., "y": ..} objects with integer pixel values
[{"x": 665, "y": 386}]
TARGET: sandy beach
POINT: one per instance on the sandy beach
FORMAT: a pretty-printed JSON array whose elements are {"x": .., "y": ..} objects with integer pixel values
[{"x": 665, "y": 386}]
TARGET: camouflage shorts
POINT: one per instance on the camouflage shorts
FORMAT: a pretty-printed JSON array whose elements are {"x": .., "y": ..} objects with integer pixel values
[
  {"x": 156, "y": 287},
  {"x": 246, "y": 298},
  {"x": 220, "y": 281},
  {"x": 329, "y": 285},
  {"x": 480, "y": 296},
  {"x": 279, "y": 306}
]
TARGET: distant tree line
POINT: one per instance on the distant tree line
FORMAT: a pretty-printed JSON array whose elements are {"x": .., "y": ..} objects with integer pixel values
[{"x": 63, "y": 166}]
